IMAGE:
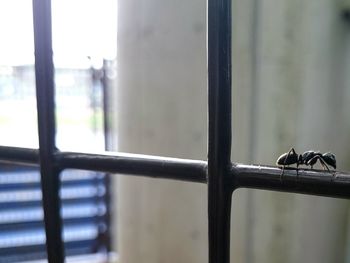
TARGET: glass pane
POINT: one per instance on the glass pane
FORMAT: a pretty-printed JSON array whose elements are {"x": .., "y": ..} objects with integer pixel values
[
  {"x": 18, "y": 125},
  {"x": 82, "y": 39}
]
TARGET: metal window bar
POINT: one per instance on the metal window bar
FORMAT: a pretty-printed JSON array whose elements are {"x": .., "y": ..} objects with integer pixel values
[{"x": 222, "y": 176}]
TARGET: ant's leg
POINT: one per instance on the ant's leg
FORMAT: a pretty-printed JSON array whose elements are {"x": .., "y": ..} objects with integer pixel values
[
  {"x": 297, "y": 171},
  {"x": 282, "y": 172},
  {"x": 325, "y": 165},
  {"x": 313, "y": 161}
]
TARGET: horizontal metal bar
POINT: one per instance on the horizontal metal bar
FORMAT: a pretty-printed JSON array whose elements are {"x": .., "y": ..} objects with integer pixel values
[
  {"x": 316, "y": 182},
  {"x": 19, "y": 155},
  {"x": 136, "y": 164},
  {"x": 303, "y": 181}
]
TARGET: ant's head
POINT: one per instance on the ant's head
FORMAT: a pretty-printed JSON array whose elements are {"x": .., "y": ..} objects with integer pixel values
[{"x": 329, "y": 158}]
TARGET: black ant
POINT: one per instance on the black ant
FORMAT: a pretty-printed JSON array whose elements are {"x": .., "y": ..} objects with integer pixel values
[{"x": 308, "y": 158}]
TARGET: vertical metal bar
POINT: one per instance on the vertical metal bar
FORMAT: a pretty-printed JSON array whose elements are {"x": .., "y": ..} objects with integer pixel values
[
  {"x": 106, "y": 87},
  {"x": 219, "y": 145},
  {"x": 44, "y": 74}
]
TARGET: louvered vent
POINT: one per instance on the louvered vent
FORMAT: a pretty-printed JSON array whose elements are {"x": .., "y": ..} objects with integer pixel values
[{"x": 22, "y": 235}]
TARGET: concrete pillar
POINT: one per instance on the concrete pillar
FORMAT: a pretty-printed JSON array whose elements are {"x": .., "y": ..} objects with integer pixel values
[{"x": 162, "y": 104}]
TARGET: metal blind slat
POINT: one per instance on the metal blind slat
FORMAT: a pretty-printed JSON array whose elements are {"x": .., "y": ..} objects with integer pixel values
[{"x": 21, "y": 214}]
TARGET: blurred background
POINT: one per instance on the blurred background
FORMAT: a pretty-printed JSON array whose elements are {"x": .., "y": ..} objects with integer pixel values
[{"x": 131, "y": 76}]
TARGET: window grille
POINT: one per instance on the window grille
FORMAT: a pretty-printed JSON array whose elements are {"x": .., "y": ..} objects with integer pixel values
[{"x": 222, "y": 176}]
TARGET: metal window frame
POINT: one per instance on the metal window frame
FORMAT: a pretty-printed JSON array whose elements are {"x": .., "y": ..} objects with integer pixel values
[{"x": 221, "y": 176}]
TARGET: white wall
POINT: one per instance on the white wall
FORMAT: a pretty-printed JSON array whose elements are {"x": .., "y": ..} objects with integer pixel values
[{"x": 290, "y": 63}]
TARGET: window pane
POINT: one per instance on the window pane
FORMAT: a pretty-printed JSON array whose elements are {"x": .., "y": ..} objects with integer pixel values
[
  {"x": 18, "y": 115},
  {"x": 84, "y": 35}
]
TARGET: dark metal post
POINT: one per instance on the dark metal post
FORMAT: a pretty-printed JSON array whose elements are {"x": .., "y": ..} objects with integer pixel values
[
  {"x": 105, "y": 237},
  {"x": 219, "y": 148},
  {"x": 44, "y": 73}
]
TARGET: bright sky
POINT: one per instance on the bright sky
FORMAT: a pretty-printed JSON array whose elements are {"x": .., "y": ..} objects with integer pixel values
[{"x": 81, "y": 28}]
